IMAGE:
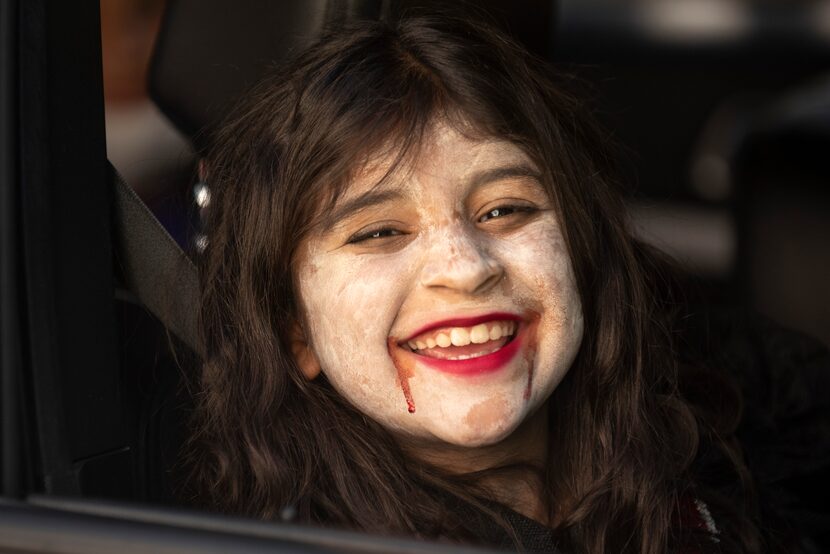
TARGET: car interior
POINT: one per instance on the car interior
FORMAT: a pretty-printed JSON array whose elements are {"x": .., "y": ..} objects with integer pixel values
[{"x": 723, "y": 133}]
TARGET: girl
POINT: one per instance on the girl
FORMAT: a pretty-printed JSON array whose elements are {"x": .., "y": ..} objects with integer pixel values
[{"x": 424, "y": 313}]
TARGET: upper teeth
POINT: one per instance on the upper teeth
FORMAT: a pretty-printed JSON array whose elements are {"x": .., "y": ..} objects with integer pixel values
[{"x": 462, "y": 336}]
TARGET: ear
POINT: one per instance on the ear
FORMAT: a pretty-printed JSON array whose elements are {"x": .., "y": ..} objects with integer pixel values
[{"x": 303, "y": 353}]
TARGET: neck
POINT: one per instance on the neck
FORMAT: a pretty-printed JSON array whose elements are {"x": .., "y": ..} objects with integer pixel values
[{"x": 523, "y": 456}]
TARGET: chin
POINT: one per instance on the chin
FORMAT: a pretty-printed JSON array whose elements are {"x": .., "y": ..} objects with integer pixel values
[{"x": 472, "y": 436}]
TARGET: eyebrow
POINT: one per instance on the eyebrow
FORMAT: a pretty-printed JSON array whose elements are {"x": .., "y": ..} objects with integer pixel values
[
  {"x": 356, "y": 205},
  {"x": 498, "y": 173}
]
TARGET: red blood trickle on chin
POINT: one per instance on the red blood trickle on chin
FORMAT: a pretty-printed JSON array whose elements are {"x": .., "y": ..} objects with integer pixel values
[{"x": 404, "y": 367}]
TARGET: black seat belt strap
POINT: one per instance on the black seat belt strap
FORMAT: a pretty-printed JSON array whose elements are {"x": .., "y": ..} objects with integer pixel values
[{"x": 155, "y": 268}]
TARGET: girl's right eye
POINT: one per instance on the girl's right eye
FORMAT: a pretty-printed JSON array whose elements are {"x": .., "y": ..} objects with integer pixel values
[{"x": 374, "y": 234}]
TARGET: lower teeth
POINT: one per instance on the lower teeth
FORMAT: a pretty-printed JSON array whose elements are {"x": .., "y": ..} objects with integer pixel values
[{"x": 463, "y": 357}]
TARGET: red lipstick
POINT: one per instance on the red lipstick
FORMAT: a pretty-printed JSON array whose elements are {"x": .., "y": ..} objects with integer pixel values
[
  {"x": 488, "y": 363},
  {"x": 478, "y": 365}
]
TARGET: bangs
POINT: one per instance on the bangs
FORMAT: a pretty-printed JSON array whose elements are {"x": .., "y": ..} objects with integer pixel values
[
  {"x": 385, "y": 106},
  {"x": 371, "y": 96}
]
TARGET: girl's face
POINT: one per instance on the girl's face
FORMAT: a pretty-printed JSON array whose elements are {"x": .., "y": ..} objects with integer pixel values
[{"x": 442, "y": 302}]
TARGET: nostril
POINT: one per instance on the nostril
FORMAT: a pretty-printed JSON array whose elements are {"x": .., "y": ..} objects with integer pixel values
[
  {"x": 492, "y": 280},
  {"x": 471, "y": 273}
]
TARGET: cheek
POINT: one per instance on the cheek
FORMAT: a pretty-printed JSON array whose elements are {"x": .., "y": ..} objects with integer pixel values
[
  {"x": 538, "y": 265},
  {"x": 541, "y": 278},
  {"x": 350, "y": 306}
]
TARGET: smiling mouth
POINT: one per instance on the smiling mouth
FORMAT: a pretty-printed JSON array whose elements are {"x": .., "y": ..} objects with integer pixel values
[
  {"x": 456, "y": 343},
  {"x": 464, "y": 347}
]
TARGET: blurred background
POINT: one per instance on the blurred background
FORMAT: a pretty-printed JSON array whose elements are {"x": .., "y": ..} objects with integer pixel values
[
  {"x": 146, "y": 149},
  {"x": 721, "y": 109}
]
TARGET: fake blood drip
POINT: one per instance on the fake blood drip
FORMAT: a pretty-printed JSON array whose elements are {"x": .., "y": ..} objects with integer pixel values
[
  {"x": 404, "y": 368},
  {"x": 530, "y": 351}
]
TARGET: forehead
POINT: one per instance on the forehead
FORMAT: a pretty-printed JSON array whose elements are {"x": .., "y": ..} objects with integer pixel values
[{"x": 445, "y": 157}]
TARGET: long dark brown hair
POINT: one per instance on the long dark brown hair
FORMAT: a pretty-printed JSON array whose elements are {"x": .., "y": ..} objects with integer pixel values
[{"x": 626, "y": 432}]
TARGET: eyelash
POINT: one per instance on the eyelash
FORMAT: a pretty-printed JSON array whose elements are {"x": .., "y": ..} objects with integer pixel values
[
  {"x": 504, "y": 211},
  {"x": 374, "y": 234}
]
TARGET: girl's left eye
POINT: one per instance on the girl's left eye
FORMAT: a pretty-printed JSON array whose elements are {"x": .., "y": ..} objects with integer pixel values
[{"x": 503, "y": 211}]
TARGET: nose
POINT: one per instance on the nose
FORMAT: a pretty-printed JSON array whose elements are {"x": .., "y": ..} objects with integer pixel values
[{"x": 458, "y": 262}]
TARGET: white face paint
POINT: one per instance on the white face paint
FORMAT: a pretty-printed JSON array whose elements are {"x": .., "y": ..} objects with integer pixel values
[{"x": 466, "y": 242}]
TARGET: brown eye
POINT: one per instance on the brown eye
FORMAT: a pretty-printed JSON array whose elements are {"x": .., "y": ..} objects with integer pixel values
[
  {"x": 374, "y": 235},
  {"x": 504, "y": 211}
]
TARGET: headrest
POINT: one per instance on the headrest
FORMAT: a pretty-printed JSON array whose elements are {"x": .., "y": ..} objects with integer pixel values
[{"x": 209, "y": 52}]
